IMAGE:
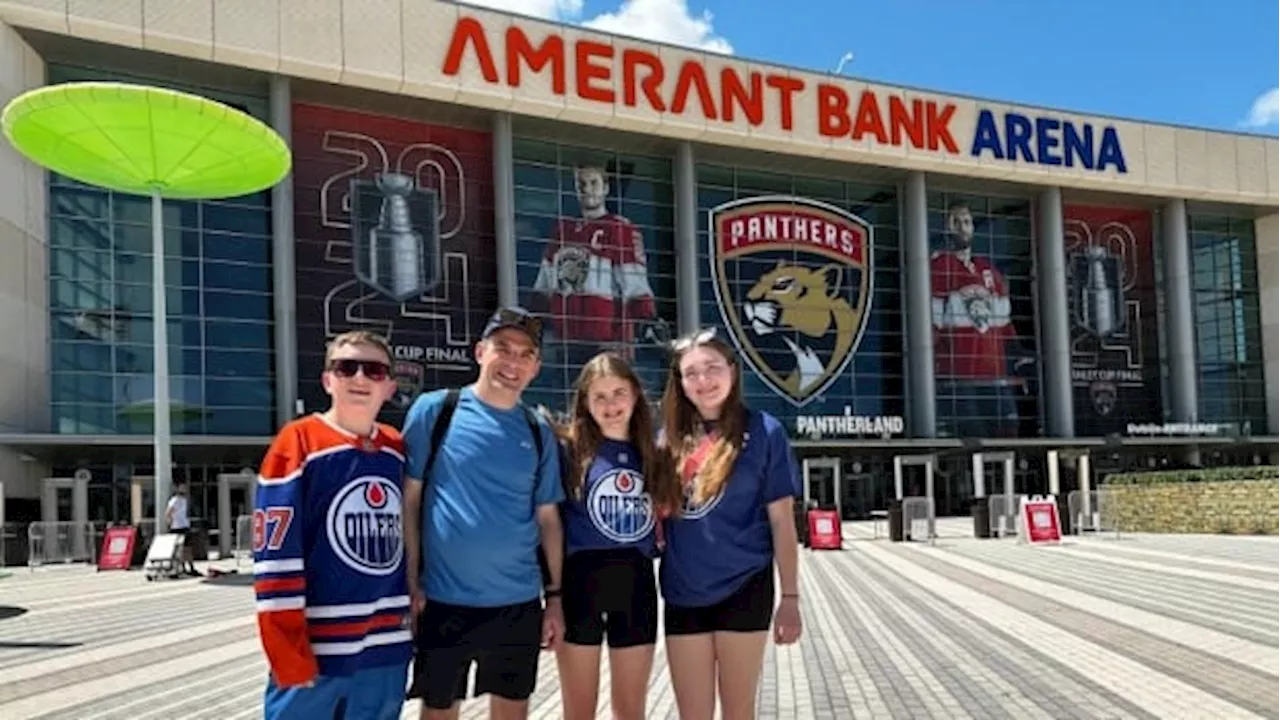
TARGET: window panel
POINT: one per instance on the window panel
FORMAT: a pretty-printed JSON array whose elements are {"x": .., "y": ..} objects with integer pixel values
[
  {"x": 595, "y": 254},
  {"x": 1227, "y": 320},
  {"x": 984, "y": 340}
]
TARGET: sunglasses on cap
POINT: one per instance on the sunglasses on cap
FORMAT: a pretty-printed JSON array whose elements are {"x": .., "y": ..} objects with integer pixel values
[
  {"x": 375, "y": 370},
  {"x": 684, "y": 343},
  {"x": 518, "y": 319}
]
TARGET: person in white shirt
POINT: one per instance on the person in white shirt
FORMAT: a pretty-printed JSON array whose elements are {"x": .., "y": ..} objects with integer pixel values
[{"x": 178, "y": 520}]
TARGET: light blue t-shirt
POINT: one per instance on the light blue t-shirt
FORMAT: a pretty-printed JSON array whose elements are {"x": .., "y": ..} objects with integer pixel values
[
  {"x": 715, "y": 547},
  {"x": 479, "y": 532}
]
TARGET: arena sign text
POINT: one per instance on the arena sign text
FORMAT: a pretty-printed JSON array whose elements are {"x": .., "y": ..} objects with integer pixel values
[{"x": 630, "y": 74}]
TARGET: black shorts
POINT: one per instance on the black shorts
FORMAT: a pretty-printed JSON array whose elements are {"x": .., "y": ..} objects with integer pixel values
[
  {"x": 504, "y": 642},
  {"x": 613, "y": 593},
  {"x": 749, "y": 609}
]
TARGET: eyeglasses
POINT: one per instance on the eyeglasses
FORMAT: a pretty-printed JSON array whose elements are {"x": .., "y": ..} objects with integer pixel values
[
  {"x": 373, "y": 369},
  {"x": 697, "y": 338}
]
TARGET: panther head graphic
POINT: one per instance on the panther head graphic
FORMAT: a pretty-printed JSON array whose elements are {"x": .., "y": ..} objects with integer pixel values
[
  {"x": 803, "y": 303},
  {"x": 572, "y": 263}
]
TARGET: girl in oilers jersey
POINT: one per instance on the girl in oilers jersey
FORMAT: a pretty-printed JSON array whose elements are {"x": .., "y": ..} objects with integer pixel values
[
  {"x": 739, "y": 481},
  {"x": 615, "y": 482}
]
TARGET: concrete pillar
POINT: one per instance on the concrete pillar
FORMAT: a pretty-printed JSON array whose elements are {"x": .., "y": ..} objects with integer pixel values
[
  {"x": 918, "y": 306},
  {"x": 1055, "y": 320},
  {"x": 284, "y": 266},
  {"x": 1180, "y": 318},
  {"x": 1266, "y": 231},
  {"x": 688, "y": 303},
  {"x": 504, "y": 210}
]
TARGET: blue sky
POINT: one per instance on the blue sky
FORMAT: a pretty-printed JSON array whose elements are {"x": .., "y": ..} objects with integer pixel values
[{"x": 1206, "y": 63}]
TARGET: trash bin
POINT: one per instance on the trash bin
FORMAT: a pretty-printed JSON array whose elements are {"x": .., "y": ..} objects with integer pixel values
[
  {"x": 141, "y": 544},
  {"x": 1064, "y": 515},
  {"x": 895, "y": 521},
  {"x": 198, "y": 541},
  {"x": 981, "y": 511}
]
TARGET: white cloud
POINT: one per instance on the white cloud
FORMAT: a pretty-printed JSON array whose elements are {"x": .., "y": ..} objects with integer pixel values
[
  {"x": 667, "y": 21},
  {"x": 1265, "y": 110},
  {"x": 549, "y": 9}
]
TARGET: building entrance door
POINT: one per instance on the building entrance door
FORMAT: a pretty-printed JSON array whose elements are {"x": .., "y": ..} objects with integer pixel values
[
  {"x": 821, "y": 479},
  {"x": 919, "y": 505},
  {"x": 235, "y": 500}
]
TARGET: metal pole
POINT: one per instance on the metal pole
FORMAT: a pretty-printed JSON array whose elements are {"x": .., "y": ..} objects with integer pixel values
[
  {"x": 688, "y": 307},
  {"x": 284, "y": 264},
  {"x": 979, "y": 482},
  {"x": 1180, "y": 312},
  {"x": 504, "y": 210},
  {"x": 160, "y": 361}
]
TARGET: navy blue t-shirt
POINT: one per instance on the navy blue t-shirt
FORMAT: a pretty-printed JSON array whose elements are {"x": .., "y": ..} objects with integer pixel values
[
  {"x": 714, "y": 548},
  {"x": 615, "y": 510}
]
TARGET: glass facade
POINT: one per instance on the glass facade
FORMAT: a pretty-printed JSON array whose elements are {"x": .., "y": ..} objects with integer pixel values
[
  {"x": 1232, "y": 388},
  {"x": 596, "y": 256},
  {"x": 983, "y": 316},
  {"x": 806, "y": 280},
  {"x": 218, "y": 294}
]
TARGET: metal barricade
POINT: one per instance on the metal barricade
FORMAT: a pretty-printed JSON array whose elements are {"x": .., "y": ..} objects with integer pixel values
[
  {"x": 60, "y": 542},
  {"x": 918, "y": 519},
  {"x": 1080, "y": 521},
  {"x": 1003, "y": 510},
  {"x": 1101, "y": 517},
  {"x": 243, "y": 547}
]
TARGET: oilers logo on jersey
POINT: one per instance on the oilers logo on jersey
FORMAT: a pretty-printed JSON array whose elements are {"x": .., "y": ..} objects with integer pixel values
[
  {"x": 620, "y": 508},
  {"x": 364, "y": 525}
]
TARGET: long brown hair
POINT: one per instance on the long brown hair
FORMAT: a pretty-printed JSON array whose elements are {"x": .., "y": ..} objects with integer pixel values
[
  {"x": 583, "y": 437},
  {"x": 683, "y": 428}
]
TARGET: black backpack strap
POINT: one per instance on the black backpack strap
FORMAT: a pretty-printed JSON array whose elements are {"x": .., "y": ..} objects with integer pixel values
[
  {"x": 536, "y": 429},
  {"x": 439, "y": 429}
]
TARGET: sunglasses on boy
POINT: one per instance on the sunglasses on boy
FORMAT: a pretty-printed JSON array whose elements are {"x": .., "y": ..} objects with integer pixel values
[{"x": 375, "y": 370}]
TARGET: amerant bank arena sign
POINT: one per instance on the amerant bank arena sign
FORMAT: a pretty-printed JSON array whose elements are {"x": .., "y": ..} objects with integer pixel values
[{"x": 636, "y": 77}]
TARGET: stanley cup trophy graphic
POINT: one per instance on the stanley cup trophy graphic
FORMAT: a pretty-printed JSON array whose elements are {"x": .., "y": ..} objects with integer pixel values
[
  {"x": 395, "y": 236},
  {"x": 1101, "y": 300}
]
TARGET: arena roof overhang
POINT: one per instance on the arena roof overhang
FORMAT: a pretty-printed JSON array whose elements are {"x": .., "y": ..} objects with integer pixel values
[
  {"x": 70, "y": 449},
  {"x": 479, "y": 61}
]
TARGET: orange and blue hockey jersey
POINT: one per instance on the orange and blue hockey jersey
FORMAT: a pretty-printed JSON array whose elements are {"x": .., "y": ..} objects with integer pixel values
[{"x": 328, "y": 556}]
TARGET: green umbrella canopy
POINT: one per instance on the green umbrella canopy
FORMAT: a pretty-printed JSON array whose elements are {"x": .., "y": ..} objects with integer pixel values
[{"x": 144, "y": 140}]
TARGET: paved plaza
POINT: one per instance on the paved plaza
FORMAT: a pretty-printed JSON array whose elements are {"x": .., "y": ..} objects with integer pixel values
[{"x": 1140, "y": 626}]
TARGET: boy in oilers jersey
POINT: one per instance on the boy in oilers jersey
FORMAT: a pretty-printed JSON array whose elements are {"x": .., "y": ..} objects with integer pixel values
[
  {"x": 328, "y": 557},
  {"x": 593, "y": 275}
]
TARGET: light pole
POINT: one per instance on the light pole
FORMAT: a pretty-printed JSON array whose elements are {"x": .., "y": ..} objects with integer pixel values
[{"x": 155, "y": 142}]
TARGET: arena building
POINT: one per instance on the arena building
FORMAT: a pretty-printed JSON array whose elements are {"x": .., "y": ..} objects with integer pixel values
[{"x": 915, "y": 279}]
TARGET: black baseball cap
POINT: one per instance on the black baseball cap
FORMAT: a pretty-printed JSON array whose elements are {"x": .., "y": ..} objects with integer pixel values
[{"x": 518, "y": 318}]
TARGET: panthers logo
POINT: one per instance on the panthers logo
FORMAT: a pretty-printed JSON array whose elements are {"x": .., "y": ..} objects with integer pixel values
[
  {"x": 572, "y": 264},
  {"x": 792, "y": 279}
]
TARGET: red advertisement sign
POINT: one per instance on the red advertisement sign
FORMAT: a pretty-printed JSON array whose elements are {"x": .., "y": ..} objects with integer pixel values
[
  {"x": 117, "y": 548},
  {"x": 824, "y": 530},
  {"x": 1040, "y": 521}
]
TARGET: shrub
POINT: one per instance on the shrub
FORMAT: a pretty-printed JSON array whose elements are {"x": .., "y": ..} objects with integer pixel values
[{"x": 1224, "y": 474}]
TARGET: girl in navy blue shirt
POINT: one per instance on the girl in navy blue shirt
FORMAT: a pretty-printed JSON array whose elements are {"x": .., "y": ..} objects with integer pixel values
[
  {"x": 739, "y": 481},
  {"x": 614, "y": 484}
]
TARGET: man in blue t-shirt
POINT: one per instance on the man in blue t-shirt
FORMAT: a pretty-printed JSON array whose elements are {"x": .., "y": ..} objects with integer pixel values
[{"x": 473, "y": 526}]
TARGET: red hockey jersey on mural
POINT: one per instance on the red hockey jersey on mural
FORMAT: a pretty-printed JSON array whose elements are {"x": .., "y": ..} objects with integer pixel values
[
  {"x": 594, "y": 279},
  {"x": 971, "y": 317}
]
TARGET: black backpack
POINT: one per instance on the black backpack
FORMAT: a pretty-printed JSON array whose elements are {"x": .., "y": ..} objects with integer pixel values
[{"x": 437, "y": 437}]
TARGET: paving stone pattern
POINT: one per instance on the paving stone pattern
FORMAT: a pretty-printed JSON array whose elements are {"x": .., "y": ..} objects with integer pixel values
[{"x": 1138, "y": 627}]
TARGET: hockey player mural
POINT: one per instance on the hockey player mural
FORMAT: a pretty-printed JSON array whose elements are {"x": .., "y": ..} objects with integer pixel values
[
  {"x": 983, "y": 370},
  {"x": 594, "y": 274}
]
